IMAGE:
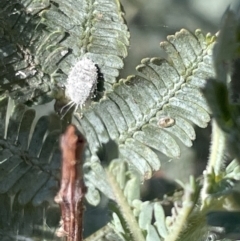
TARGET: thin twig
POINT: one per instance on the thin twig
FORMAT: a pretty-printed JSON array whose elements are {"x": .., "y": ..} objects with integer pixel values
[{"x": 72, "y": 190}]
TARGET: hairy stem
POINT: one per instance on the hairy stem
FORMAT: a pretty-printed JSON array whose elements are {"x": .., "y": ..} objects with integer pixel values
[
  {"x": 126, "y": 211},
  {"x": 191, "y": 195},
  {"x": 217, "y": 150},
  {"x": 215, "y": 165}
]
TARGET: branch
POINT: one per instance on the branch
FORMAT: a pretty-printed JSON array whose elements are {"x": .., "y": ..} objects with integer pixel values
[{"x": 72, "y": 190}]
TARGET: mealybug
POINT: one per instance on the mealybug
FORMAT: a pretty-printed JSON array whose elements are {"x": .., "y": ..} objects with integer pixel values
[{"x": 81, "y": 83}]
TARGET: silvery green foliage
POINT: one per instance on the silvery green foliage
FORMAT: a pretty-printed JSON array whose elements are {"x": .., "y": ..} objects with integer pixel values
[
  {"x": 142, "y": 114},
  {"x": 132, "y": 114},
  {"x": 131, "y": 111},
  {"x": 163, "y": 228},
  {"x": 187, "y": 221},
  {"x": 41, "y": 40}
]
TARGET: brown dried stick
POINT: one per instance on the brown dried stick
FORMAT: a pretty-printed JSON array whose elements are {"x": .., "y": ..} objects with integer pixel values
[{"x": 72, "y": 189}]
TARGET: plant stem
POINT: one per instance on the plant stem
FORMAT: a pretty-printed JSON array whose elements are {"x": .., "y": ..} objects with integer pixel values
[
  {"x": 215, "y": 165},
  {"x": 126, "y": 211},
  {"x": 217, "y": 150},
  {"x": 72, "y": 189}
]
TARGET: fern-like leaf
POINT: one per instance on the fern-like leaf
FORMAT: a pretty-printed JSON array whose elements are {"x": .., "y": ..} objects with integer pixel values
[{"x": 137, "y": 113}]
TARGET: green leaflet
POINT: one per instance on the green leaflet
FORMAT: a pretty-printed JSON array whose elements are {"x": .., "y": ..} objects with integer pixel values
[{"x": 42, "y": 40}]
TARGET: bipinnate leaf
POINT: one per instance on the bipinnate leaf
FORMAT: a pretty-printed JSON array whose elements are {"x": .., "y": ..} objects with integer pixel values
[{"x": 153, "y": 111}]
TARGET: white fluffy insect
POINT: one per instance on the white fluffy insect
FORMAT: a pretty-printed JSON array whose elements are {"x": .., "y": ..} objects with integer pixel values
[{"x": 81, "y": 83}]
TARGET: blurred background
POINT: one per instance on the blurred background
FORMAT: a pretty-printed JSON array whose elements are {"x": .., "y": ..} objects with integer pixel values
[{"x": 149, "y": 23}]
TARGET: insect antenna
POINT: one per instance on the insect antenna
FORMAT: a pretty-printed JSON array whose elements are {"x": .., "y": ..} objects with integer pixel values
[{"x": 69, "y": 105}]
